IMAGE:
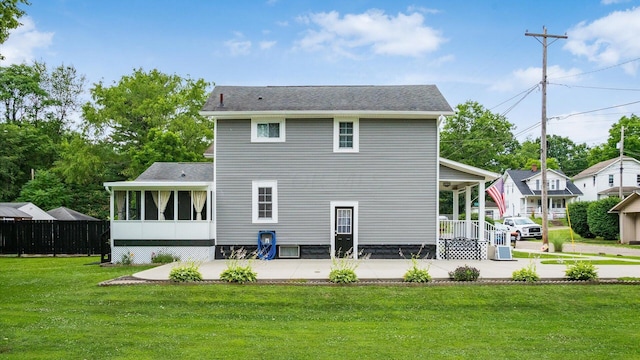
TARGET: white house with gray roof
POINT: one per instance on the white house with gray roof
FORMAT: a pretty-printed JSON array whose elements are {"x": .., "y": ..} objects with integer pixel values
[
  {"x": 318, "y": 169},
  {"x": 523, "y": 192},
  {"x": 603, "y": 179}
]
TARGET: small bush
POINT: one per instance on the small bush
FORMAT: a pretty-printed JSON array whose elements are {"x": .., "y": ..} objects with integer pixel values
[
  {"x": 163, "y": 258},
  {"x": 186, "y": 273},
  {"x": 557, "y": 242},
  {"x": 343, "y": 276},
  {"x": 127, "y": 259},
  {"x": 527, "y": 274},
  {"x": 239, "y": 267},
  {"x": 343, "y": 269},
  {"x": 416, "y": 273},
  {"x": 464, "y": 273},
  {"x": 581, "y": 270}
]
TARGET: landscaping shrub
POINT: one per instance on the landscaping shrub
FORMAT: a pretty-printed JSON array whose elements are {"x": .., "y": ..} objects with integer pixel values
[
  {"x": 416, "y": 273},
  {"x": 343, "y": 269},
  {"x": 527, "y": 274},
  {"x": 127, "y": 259},
  {"x": 577, "y": 211},
  {"x": 464, "y": 273},
  {"x": 186, "y": 273},
  {"x": 162, "y": 257},
  {"x": 239, "y": 267},
  {"x": 601, "y": 223},
  {"x": 557, "y": 242},
  {"x": 581, "y": 270}
]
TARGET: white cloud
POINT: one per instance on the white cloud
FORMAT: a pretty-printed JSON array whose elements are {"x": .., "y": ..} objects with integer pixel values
[
  {"x": 608, "y": 40},
  {"x": 238, "y": 46},
  {"x": 525, "y": 78},
  {"x": 609, "y": 2},
  {"x": 401, "y": 35},
  {"x": 23, "y": 41},
  {"x": 264, "y": 45}
]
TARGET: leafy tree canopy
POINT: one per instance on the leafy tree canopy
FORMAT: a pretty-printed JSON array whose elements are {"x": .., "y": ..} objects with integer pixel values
[
  {"x": 46, "y": 191},
  {"x": 610, "y": 149},
  {"x": 478, "y": 137},
  {"x": 10, "y": 13}
]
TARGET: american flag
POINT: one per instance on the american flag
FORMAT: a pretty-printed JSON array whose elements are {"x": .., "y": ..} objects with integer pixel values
[{"x": 496, "y": 191}]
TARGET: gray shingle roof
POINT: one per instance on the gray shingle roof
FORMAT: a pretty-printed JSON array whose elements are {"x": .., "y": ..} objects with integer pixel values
[
  {"x": 64, "y": 213},
  {"x": 327, "y": 98},
  {"x": 12, "y": 212},
  {"x": 164, "y": 171},
  {"x": 519, "y": 175}
]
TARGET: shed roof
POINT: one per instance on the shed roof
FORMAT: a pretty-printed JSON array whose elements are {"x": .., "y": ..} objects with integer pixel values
[
  {"x": 178, "y": 171},
  {"x": 12, "y": 213}
]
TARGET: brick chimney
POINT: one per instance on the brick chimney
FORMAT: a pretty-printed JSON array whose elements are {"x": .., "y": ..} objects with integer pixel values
[{"x": 534, "y": 167}]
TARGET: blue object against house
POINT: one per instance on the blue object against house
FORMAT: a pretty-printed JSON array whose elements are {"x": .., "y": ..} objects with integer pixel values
[{"x": 266, "y": 245}]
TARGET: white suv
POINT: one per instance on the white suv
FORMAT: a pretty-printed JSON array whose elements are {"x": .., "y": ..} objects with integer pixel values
[{"x": 524, "y": 227}]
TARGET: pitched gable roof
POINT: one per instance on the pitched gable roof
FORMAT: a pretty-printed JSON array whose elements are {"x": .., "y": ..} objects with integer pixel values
[
  {"x": 411, "y": 98},
  {"x": 64, "y": 213},
  {"x": 519, "y": 177},
  {"x": 595, "y": 169},
  {"x": 9, "y": 212}
]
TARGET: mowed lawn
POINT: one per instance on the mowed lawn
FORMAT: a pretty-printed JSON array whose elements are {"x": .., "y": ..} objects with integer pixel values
[{"x": 53, "y": 308}]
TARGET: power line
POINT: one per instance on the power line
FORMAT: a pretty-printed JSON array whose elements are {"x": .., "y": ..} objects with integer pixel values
[
  {"x": 562, "y": 117},
  {"x": 595, "y": 87}
]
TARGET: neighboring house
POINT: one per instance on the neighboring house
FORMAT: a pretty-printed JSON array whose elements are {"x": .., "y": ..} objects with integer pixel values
[
  {"x": 490, "y": 210},
  {"x": 323, "y": 168},
  {"x": 603, "y": 179},
  {"x": 30, "y": 209},
  {"x": 66, "y": 214},
  {"x": 167, "y": 208},
  {"x": 523, "y": 193},
  {"x": 629, "y": 212},
  {"x": 8, "y": 213}
]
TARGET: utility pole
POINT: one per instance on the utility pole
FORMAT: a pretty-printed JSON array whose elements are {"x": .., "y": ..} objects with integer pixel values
[
  {"x": 620, "y": 193},
  {"x": 543, "y": 137}
]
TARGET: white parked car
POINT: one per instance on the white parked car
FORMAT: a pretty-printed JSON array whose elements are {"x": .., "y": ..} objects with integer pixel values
[{"x": 524, "y": 227}]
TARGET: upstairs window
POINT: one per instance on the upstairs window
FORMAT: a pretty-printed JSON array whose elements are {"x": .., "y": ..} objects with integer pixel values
[
  {"x": 346, "y": 133},
  {"x": 264, "y": 207},
  {"x": 611, "y": 180},
  {"x": 638, "y": 180},
  {"x": 267, "y": 130}
]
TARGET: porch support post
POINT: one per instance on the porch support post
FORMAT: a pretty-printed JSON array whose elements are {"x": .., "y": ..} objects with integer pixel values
[
  {"x": 481, "y": 210},
  {"x": 456, "y": 204},
  {"x": 467, "y": 211}
]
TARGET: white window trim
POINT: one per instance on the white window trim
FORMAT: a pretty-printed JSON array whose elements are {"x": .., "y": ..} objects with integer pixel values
[
  {"x": 273, "y": 184},
  {"x": 356, "y": 134},
  {"x": 267, "y": 120}
]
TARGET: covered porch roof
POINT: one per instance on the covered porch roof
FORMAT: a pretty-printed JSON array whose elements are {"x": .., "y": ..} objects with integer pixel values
[{"x": 456, "y": 176}]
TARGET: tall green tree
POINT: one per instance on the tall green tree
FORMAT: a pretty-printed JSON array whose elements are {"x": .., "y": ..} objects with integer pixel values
[
  {"x": 610, "y": 149},
  {"x": 477, "y": 137},
  {"x": 10, "y": 15},
  {"x": 127, "y": 111},
  {"x": 21, "y": 92},
  {"x": 562, "y": 154},
  {"x": 46, "y": 190},
  {"x": 160, "y": 146}
]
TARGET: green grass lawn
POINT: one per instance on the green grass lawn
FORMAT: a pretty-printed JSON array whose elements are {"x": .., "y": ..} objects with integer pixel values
[{"x": 52, "y": 308}]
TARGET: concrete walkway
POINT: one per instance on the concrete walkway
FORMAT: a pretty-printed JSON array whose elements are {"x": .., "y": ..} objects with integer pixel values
[{"x": 311, "y": 269}]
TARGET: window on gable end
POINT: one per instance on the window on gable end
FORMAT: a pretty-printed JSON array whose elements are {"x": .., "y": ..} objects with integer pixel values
[
  {"x": 268, "y": 130},
  {"x": 346, "y": 135}
]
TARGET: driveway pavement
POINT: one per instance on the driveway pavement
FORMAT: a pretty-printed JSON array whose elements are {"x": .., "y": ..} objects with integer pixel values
[{"x": 374, "y": 269}]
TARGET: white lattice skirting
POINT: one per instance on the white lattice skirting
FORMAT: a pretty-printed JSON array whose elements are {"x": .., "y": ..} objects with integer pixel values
[
  {"x": 142, "y": 254},
  {"x": 462, "y": 249}
]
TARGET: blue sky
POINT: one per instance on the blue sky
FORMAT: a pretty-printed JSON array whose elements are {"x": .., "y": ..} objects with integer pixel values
[{"x": 472, "y": 50}]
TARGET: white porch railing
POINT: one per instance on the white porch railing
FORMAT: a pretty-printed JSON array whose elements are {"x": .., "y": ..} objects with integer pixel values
[{"x": 452, "y": 229}]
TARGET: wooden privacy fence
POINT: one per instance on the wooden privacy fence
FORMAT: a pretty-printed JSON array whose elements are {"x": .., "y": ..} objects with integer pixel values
[{"x": 52, "y": 237}]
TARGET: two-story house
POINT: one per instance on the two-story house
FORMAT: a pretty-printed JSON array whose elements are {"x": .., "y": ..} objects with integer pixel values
[
  {"x": 321, "y": 169},
  {"x": 603, "y": 179},
  {"x": 523, "y": 192}
]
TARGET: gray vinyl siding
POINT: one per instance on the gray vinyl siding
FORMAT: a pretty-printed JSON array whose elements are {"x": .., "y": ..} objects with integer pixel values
[{"x": 393, "y": 178}]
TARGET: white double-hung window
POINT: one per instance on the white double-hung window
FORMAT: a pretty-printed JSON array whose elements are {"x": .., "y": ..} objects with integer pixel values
[
  {"x": 269, "y": 129},
  {"x": 264, "y": 202},
  {"x": 346, "y": 135}
]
